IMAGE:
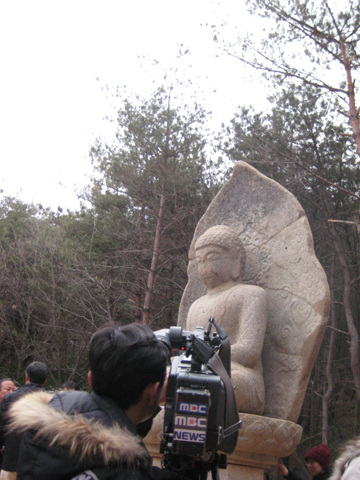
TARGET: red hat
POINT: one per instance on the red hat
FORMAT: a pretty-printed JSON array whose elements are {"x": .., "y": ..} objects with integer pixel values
[{"x": 320, "y": 454}]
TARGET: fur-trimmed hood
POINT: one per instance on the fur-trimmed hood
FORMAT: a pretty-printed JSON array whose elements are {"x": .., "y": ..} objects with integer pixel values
[
  {"x": 85, "y": 440},
  {"x": 350, "y": 451}
]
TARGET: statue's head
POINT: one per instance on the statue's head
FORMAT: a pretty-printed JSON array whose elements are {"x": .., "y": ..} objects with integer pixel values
[{"x": 220, "y": 256}]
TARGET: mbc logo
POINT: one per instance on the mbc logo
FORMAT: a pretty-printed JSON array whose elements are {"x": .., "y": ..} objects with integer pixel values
[
  {"x": 189, "y": 436},
  {"x": 187, "y": 421},
  {"x": 192, "y": 408}
]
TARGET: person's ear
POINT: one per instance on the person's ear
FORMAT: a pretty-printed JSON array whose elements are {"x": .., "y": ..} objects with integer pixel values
[
  {"x": 90, "y": 381},
  {"x": 152, "y": 393},
  {"x": 26, "y": 378}
]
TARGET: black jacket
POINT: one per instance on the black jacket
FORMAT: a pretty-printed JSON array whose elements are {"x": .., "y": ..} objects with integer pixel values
[
  {"x": 75, "y": 432},
  {"x": 297, "y": 476},
  {"x": 11, "y": 441}
]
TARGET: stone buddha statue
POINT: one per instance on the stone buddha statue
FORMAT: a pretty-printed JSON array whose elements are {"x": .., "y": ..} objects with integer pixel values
[
  {"x": 240, "y": 309},
  {"x": 292, "y": 305}
]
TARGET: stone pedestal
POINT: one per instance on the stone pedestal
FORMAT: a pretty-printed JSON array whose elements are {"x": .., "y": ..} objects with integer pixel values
[{"x": 237, "y": 472}]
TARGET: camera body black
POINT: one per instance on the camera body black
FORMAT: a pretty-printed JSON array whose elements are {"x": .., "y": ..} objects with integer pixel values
[{"x": 195, "y": 409}]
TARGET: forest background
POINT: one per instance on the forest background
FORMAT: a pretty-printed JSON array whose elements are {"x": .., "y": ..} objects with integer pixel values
[{"x": 123, "y": 255}]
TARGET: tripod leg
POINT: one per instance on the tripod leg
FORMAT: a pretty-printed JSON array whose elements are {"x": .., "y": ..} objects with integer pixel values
[
  {"x": 215, "y": 472},
  {"x": 203, "y": 475}
]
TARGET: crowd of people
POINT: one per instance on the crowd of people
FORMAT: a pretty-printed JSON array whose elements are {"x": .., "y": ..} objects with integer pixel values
[{"x": 97, "y": 435}]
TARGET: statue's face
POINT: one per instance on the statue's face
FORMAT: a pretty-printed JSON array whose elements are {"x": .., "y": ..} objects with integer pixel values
[{"x": 215, "y": 265}]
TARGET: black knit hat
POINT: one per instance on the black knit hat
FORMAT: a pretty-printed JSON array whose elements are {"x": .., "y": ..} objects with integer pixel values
[{"x": 320, "y": 454}]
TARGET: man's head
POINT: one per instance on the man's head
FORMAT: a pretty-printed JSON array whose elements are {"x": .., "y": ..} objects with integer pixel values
[
  {"x": 70, "y": 385},
  {"x": 124, "y": 361},
  {"x": 6, "y": 386},
  {"x": 36, "y": 372}
]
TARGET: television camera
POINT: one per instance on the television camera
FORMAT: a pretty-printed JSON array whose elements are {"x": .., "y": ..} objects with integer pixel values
[{"x": 201, "y": 416}]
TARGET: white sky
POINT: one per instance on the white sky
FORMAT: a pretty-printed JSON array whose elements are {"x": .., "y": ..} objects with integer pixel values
[{"x": 56, "y": 55}]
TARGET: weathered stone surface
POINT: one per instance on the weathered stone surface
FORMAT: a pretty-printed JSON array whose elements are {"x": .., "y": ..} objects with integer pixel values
[
  {"x": 239, "y": 309},
  {"x": 267, "y": 437},
  {"x": 279, "y": 258}
]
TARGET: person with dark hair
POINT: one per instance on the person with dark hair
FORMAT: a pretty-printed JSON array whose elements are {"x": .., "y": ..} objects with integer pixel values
[
  {"x": 317, "y": 460},
  {"x": 6, "y": 386},
  {"x": 36, "y": 372},
  {"x": 70, "y": 385},
  {"x": 80, "y": 435},
  {"x": 36, "y": 375}
]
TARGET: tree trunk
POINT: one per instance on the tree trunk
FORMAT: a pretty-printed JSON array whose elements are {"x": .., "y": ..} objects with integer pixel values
[
  {"x": 354, "y": 337},
  {"x": 155, "y": 257},
  {"x": 139, "y": 275},
  {"x": 353, "y": 111},
  {"x": 328, "y": 374}
]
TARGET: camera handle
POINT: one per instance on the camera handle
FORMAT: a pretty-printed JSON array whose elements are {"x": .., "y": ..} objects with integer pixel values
[
  {"x": 224, "y": 351},
  {"x": 220, "y": 364},
  {"x": 232, "y": 423}
]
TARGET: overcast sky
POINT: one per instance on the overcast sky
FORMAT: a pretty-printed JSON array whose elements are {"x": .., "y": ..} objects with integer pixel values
[{"x": 58, "y": 55}]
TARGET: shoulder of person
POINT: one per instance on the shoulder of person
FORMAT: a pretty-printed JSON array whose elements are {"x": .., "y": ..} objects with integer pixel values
[
  {"x": 8, "y": 399},
  {"x": 74, "y": 399}
]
